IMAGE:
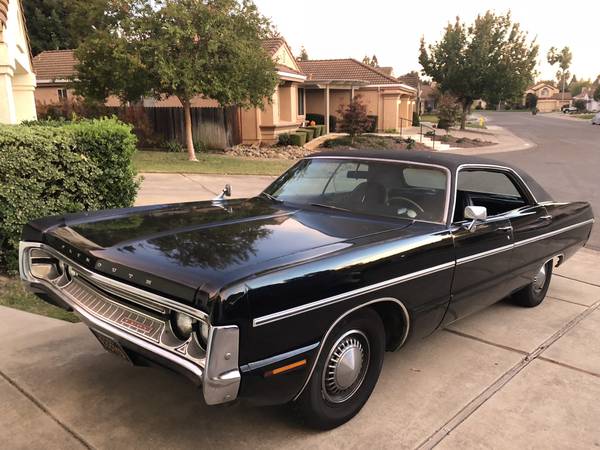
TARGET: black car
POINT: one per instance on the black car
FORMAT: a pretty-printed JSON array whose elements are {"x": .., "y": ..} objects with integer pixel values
[{"x": 296, "y": 294}]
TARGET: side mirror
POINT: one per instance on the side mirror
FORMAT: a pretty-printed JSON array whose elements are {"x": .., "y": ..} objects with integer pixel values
[
  {"x": 475, "y": 213},
  {"x": 226, "y": 192}
]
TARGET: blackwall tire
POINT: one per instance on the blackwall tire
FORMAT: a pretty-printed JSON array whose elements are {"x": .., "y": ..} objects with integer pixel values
[
  {"x": 534, "y": 293},
  {"x": 340, "y": 385}
]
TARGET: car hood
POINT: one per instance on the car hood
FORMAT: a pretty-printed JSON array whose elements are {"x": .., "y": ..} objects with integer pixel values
[{"x": 184, "y": 247}]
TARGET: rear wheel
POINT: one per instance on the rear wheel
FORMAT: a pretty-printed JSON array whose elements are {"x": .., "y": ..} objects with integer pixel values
[
  {"x": 534, "y": 293},
  {"x": 346, "y": 372}
]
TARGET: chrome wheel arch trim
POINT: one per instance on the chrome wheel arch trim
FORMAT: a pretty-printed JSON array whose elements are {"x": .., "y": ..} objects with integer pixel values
[{"x": 340, "y": 318}]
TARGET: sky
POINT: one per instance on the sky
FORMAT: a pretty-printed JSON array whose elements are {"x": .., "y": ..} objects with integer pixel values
[{"x": 392, "y": 29}]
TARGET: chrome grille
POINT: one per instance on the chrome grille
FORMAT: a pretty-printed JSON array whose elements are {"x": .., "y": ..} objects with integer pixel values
[{"x": 115, "y": 313}]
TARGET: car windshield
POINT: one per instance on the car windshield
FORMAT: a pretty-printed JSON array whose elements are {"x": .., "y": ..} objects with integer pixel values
[{"x": 382, "y": 188}]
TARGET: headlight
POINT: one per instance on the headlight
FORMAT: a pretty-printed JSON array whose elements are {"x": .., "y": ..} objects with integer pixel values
[
  {"x": 183, "y": 325},
  {"x": 44, "y": 266}
]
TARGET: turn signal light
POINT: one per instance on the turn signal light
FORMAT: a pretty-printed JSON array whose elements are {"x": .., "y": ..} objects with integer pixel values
[{"x": 286, "y": 368}]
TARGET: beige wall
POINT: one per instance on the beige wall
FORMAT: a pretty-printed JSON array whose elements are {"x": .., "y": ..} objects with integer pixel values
[{"x": 17, "y": 80}]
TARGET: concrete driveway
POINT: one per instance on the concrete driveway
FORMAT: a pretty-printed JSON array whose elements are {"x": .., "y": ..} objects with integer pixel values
[{"x": 507, "y": 377}]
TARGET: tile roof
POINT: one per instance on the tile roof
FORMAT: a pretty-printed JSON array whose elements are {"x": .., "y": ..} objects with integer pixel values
[
  {"x": 282, "y": 68},
  {"x": 3, "y": 13},
  {"x": 559, "y": 96},
  {"x": 54, "y": 65},
  {"x": 343, "y": 69},
  {"x": 411, "y": 80},
  {"x": 271, "y": 45}
]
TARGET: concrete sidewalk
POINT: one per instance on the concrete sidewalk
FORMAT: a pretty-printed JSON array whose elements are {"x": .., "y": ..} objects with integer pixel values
[
  {"x": 186, "y": 187},
  {"x": 507, "y": 377}
]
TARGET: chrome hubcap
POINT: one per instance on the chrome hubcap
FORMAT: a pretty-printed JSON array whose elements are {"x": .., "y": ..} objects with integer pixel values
[
  {"x": 346, "y": 366},
  {"x": 539, "y": 280}
]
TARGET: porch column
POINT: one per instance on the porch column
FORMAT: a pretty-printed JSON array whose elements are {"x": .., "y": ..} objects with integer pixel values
[
  {"x": 327, "y": 109},
  {"x": 351, "y": 93}
]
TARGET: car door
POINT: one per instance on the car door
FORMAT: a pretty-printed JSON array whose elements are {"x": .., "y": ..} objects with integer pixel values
[{"x": 483, "y": 253}]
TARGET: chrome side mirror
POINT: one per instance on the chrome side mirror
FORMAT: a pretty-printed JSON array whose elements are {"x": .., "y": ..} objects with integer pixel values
[
  {"x": 475, "y": 213},
  {"x": 226, "y": 192}
]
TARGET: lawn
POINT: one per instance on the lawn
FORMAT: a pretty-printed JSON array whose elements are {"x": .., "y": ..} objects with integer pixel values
[
  {"x": 429, "y": 118},
  {"x": 14, "y": 295},
  {"x": 175, "y": 162}
]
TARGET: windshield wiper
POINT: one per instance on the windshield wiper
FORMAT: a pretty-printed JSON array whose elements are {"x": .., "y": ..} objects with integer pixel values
[
  {"x": 270, "y": 197},
  {"x": 337, "y": 208}
]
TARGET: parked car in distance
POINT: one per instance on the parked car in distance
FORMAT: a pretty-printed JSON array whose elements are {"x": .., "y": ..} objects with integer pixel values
[
  {"x": 569, "y": 109},
  {"x": 596, "y": 119},
  {"x": 296, "y": 294}
]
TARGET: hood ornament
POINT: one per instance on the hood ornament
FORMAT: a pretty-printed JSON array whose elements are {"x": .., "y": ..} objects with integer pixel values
[{"x": 219, "y": 199}]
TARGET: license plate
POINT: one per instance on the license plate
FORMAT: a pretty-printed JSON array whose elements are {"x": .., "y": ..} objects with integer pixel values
[{"x": 111, "y": 346}]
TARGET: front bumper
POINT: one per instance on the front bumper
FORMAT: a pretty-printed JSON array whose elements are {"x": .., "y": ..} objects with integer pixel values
[{"x": 138, "y": 320}]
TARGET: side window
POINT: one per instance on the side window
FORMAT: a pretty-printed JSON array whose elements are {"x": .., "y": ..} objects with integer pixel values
[{"x": 493, "y": 189}]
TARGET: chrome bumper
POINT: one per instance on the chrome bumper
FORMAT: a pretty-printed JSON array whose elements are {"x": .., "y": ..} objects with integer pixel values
[{"x": 96, "y": 299}]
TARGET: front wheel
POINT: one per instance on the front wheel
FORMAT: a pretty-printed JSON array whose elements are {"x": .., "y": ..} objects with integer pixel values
[
  {"x": 534, "y": 293},
  {"x": 346, "y": 372}
]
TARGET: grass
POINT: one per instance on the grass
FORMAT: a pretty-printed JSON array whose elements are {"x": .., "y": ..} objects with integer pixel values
[
  {"x": 155, "y": 161},
  {"x": 429, "y": 118},
  {"x": 14, "y": 295}
]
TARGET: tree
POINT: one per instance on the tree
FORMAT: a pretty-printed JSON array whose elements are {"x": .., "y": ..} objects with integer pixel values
[
  {"x": 354, "y": 118},
  {"x": 62, "y": 24},
  {"x": 490, "y": 59},
  {"x": 188, "y": 48},
  {"x": 303, "y": 54},
  {"x": 448, "y": 111},
  {"x": 597, "y": 93},
  {"x": 563, "y": 58}
]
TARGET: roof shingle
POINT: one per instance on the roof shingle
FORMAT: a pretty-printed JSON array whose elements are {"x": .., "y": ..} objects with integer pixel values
[
  {"x": 271, "y": 45},
  {"x": 343, "y": 69},
  {"x": 55, "y": 65}
]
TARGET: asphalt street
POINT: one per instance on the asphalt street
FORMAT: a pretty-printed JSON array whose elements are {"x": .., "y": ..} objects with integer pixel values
[{"x": 565, "y": 159}]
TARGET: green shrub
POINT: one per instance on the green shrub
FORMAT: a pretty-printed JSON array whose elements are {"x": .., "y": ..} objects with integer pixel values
[
  {"x": 316, "y": 130},
  {"x": 321, "y": 130},
  {"x": 199, "y": 146},
  {"x": 445, "y": 138},
  {"x": 310, "y": 133},
  {"x": 52, "y": 170},
  {"x": 284, "y": 139},
  {"x": 298, "y": 139}
]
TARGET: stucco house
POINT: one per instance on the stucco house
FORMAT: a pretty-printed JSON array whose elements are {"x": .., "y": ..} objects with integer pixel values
[
  {"x": 587, "y": 95},
  {"x": 549, "y": 97},
  {"x": 315, "y": 86},
  {"x": 330, "y": 84},
  {"x": 17, "y": 80}
]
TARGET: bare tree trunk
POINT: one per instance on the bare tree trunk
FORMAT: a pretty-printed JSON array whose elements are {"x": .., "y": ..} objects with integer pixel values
[
  {"x": 187, "y": 120},
  {"x": 466, "y": 106}
]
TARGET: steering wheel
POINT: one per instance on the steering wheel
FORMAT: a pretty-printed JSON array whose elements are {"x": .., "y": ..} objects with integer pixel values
[{"x": 407, "y": 200}]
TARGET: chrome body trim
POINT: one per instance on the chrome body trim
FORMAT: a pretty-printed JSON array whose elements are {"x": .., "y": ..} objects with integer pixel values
[
  {"x": 277, "y": 358},
  {"x": 485, "y": 254},
  {"x": 412, "y": 163},
  {"x": 552, "y": 233},
  {"x": 216, "y": 368},
  {"x": 287, "y": 313},
  {"x": 379, "y": 300}
]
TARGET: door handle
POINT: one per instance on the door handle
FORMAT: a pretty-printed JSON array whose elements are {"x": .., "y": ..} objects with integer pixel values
[
  {"x": 546, "y": 217},
  {"x": 507, "y": 228}
]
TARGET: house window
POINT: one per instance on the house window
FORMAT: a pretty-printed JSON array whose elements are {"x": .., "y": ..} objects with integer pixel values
[
  {"x": 62, "y": 94},
  {"x": 545, "y": 92},
  {"x": 300, "y": 101}
]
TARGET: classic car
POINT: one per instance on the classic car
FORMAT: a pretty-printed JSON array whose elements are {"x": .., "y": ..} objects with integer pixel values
[{"x": 297, "y": 293}]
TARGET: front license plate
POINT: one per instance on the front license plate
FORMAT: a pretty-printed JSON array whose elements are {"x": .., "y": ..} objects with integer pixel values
[{"x": 111, "y": 346}]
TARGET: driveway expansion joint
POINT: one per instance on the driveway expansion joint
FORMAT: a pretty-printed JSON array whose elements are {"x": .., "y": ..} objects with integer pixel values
[
  {"x": 46, "y": 411},
  {"x": 434, "y": 439}
]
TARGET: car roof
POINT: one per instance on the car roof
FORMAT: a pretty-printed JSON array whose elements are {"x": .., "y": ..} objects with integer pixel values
[{"x": 449, "y": 160}]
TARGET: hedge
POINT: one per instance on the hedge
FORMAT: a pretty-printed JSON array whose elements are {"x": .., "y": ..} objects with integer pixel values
[
  {"x": 56, "y": 169},
  {"x": 316, "y": 130},
  {"x": 319, "y": 119},
  {"x": 298, "y": 139},
  {"x": 310, "y": 134}
]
